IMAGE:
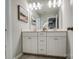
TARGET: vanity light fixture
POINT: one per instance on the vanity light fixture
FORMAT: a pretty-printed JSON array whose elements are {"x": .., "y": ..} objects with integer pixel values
[
  {"x": 49, "y": 3},
  {"x": 34, "y": 6},
  {"x": 37, "y": 5},
  {"x": 55, "y": 3}
]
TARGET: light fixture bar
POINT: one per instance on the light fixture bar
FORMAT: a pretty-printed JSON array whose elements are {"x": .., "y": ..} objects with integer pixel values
[{"x": 37, "y": 5}]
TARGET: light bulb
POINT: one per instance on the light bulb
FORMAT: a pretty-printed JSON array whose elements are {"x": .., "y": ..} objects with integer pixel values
[
  {"x": 30, "y": 6},
  {"x": 35, "y": 8},
  {"x": 39, "y": 5},
  {"x": 34, "y": 5},
  {"x": 54, "y": 3},
  {"x": 49, "y": 3},
  {"x": 59, "y": 3}
]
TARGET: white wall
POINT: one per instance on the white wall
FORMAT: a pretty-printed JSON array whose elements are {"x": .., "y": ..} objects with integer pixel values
[
  {"x": 66, "y": 20},
  {"x": 15, "y": 27},
  {"x": 67, "y": 14},
  {"x": 70, "y": 45},
  {"x": 8, "y": 34},
  {"x": 60, "y": 18},
  {"x": 13, "y": 40}
]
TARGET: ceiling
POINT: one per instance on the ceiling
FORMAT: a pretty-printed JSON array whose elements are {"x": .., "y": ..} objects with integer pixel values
[{"x": 45, "y": 9}]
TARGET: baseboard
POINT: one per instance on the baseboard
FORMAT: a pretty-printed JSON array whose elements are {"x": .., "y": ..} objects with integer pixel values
[
  {"x": 19, "y": 55},
  {"x": 45, "y": 55}
]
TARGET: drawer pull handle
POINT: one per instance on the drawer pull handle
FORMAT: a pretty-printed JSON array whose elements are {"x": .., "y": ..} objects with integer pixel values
[
  {"x": 41, "y": 49},
  {"x": 41, "y": 40},
  {"x": 55, "y": 39},
  {"x": 29, "y": 37}
]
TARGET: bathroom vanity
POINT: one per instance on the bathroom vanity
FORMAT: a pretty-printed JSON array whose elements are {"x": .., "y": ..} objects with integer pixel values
[{"x": 51, "y": 43}]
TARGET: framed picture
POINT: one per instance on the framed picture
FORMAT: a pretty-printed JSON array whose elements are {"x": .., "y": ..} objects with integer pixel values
[{"x": 22, "y": 14}]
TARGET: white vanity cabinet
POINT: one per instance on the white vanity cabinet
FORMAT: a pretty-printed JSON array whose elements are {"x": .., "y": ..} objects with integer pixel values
[
  {"x": 45, "y": 43},
  {"x": 56, "y": 44},
  {"x": 30, "y": 42}
]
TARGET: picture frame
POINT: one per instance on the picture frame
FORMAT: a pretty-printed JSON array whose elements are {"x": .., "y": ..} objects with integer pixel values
[
  {"x": 22, "y": 14},
  {"x": 52, "y": 23}
]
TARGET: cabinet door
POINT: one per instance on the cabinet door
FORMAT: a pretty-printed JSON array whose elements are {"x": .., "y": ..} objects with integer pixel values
[
  {"x": 56, "y": 46},
  {"x": 30, "y": 44},
  {"x": 41, "y": 45}
]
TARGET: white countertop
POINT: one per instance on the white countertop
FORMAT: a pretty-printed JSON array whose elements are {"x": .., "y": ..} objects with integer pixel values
[{"x": 24, "y": 30}]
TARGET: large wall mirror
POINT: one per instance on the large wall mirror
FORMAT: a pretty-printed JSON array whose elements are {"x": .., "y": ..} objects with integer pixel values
[{"x": 46, "y": 13}]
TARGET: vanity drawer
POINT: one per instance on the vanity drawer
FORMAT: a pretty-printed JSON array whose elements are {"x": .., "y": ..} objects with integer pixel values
[
  {"x": 42, "y": 46},
  {"x": 41, "y": 40},
  {"x": 41, "y": 33},
  {"x": 29, "y": 34},
  {"x": 56, "y": 33}
]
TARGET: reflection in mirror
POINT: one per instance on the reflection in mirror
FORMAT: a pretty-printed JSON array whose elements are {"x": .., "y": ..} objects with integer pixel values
[{"x": 45, "y": 12}]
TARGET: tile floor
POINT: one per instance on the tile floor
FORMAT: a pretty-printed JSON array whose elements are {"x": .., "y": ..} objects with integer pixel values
[{"x": 37, "y": 57}]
